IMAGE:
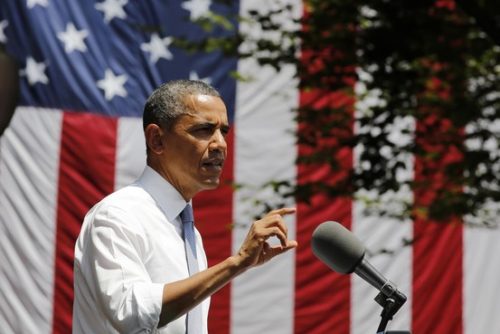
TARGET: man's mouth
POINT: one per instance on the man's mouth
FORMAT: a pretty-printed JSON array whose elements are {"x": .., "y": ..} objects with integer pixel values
[{"x": 213, "y": 164}]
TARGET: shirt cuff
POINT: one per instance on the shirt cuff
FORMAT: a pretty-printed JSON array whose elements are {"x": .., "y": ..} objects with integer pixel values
[{"x": 155, "y": 301}]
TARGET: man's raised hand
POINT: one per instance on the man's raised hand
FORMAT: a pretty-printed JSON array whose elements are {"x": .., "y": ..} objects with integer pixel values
[{"x": 256, "y": 250}]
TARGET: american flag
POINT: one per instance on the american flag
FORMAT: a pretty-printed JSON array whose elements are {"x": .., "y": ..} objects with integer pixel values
[{"x": 86, "y": 68}]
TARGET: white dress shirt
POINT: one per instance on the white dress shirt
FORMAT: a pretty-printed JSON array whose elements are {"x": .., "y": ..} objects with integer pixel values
[{"x": 129, "y": 246}]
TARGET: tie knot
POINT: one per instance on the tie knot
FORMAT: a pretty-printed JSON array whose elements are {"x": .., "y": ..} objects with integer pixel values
[{"x": 187, "y": 214}]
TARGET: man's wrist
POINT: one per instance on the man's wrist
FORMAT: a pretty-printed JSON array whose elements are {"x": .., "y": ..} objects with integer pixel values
[{"x": 237, "y": 264}]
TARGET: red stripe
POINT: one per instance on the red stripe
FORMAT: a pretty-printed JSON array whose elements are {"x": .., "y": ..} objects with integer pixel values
[
  {"x": 86, "y": 175},
  {"x": 438, "y": 247},
  {"x": 322, "y": 297},
  {"x": 437, "y": 278},
  {"x": 214, "y": 214}
]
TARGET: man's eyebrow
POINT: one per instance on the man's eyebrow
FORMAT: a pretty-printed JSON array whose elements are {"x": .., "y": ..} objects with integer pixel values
[
  {"x": 205, "y": 124},
  {"x": 224, "y": 127}
]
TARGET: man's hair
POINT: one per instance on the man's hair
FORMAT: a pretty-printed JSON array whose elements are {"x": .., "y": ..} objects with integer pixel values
[{"x": 167, "y": 102}]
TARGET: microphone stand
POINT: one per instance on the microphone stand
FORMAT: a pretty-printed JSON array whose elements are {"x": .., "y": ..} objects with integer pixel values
[{"x": 391, "y": 301}]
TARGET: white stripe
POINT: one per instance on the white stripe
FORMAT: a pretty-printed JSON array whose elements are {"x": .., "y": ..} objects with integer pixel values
[
  {"x": 481, "y": 277},
  {"x": 130, "y": 151},
  {"x": 29, "y": 166},
  {"x": 378, "y": 233},
  {"x": 481, "y": 248},
  {"x": 262, "y": 299}
]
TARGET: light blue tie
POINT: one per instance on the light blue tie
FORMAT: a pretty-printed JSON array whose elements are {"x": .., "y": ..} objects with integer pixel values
[{"x": 194, "y": 318}]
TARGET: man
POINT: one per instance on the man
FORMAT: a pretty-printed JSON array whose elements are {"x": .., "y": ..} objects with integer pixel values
[
  {"x": 134, "y": 259},
  {"x": 9, "y": 88}
]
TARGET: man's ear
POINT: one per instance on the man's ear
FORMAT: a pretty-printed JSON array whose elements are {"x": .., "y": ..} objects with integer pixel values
[{"x": 154, "y": 138}]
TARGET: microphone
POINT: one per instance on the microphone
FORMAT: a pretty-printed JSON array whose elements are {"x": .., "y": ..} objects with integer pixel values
[{"x": 342, "y": 251}]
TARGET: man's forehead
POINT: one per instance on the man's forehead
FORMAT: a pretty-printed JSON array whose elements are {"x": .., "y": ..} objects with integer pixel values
[
  {"x": 193, "y": 100},
  {"x": 205, "y": 107}
]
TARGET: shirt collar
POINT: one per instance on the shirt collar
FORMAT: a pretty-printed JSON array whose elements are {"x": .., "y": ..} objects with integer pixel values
[{"x": 166, "y": 196}]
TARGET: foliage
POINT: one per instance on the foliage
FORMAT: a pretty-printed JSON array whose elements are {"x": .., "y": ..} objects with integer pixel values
[{"x": 419, "y": 79}]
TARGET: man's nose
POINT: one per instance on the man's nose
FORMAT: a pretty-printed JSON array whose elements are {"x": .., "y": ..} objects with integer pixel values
[{"x": 218, "y": 141}]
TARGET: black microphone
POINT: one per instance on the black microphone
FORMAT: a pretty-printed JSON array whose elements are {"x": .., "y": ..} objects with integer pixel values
[{"x": 342, "y": 251}]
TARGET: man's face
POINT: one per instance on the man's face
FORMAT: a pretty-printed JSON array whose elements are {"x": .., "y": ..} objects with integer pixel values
[{"x": 195, "y": 147}]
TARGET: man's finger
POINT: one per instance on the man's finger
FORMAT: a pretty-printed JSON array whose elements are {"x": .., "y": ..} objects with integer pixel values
[
  {"x": 276, "y": 250},
  {"x": 274, "y": 220},
  {"x": 282, "y": 211},
  {"x": 275, "y": 231}
]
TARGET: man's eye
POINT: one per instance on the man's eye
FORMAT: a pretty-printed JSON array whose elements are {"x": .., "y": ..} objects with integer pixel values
[{"x": 205, "y": 129}]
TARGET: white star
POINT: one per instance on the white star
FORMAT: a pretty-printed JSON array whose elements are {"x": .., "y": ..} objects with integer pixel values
[
  {"x": 112, "y": 9},
  {"x": 194, "y": 76},
  {"x": 158, "y": 47},
  {"x": 3, "y": 25},
  {"x": 73, "y": 39},
  {"x": 33, "y": 3},
  {"x": 35, "y": 72},
  {"x": 197, "y": 8},
  {"x": 112, "y": 85}
]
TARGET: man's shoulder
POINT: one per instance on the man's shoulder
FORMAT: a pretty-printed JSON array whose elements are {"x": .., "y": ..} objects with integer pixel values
[
  {"x": 134, "y": 190},
  {"x": 126, "y": 198},
  {"x": 124, "y": 207}
]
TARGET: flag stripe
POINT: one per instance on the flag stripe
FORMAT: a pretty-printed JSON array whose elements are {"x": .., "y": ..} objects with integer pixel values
[
  {"x": 330, "y": 295},
  {"x": 322, "y": 307},
  {"x": 331, "y": 292},
  {"x": 262, "y": 299},
  {"x": 378, "y": 234},
  {"x": 265, "y": 152},
  {"x": 437, "y": 247},
  {"x": 480, "y": 268},
  {"x": 383, "y": 236},
  {"x": 130, "y": 151},
  {"x": 28, "y": 193},
  {"x": 214, "y": 215},
  {"x": 481, "y": 288},
  {"x": 86, "y": 175},
  {"x": 437, "y": 278}
]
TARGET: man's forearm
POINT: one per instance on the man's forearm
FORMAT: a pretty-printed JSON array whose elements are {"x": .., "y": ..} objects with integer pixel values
[{"x": 181, "y": 296}]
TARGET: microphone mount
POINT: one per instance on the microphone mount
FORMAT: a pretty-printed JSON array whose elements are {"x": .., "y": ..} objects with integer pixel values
[
  {"x": 391, "y": 301},
  {"x": 389, "y": 297}
]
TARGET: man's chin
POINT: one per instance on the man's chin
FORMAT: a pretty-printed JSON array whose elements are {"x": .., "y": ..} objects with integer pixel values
[{"x": 210, "y": 184}]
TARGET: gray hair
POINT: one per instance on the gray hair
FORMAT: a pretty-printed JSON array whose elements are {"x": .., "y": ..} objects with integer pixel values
[{"x": 167, "y": 102}]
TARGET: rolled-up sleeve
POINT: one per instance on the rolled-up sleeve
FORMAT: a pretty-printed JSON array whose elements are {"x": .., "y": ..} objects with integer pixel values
[{"x": 118, "y": 249}]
